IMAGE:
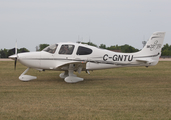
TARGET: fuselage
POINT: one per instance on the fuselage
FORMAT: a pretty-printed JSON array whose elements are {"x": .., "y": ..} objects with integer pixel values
[{"x": 54, "y": 56}]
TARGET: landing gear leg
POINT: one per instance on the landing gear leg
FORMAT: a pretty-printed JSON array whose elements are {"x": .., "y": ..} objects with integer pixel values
[
  {"x": 72, "y": 78},
  {"x": 24, "y": 77}
]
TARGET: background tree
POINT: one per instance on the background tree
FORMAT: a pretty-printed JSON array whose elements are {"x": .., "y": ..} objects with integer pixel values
[
  {"x": 128, "y": 49},
  {"x": 4, "y": 53},
  {"x": 166, "y": 50},
  {"x": 21, "y": 50},
  {"x": 103, "y": 46},
  {"x": 42, "y": 46},
  {"x": 124, "y": 48},
  {"x": 114, "y": 47}
]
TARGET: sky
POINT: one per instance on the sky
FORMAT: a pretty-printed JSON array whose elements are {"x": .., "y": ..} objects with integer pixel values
[{"x": 109, "y": 22}]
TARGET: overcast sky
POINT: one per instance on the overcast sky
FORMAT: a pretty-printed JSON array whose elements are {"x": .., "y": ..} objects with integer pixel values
[{"x": 111, "y": 22}]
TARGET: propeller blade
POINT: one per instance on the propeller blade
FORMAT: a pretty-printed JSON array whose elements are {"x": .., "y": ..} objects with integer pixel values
[
  {"x": 15, "y": 63},
  {"x": 16, "y": 48}
]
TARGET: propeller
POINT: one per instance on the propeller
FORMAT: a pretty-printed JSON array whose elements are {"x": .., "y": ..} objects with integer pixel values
[{"x": 15, "y": 56}]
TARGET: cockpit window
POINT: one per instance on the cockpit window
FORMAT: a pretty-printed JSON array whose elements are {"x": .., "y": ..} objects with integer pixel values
[
  {"x": 51, "y": 48},
  {"x": 66, "y": 49},
  {"x": 83, "y": 51}
]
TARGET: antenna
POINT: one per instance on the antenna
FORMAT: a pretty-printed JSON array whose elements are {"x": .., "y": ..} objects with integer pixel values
[
  {"x": 89, "y": 39},
  {"x": 144, "y": 43},
  {"x": 78, "y": 39}
]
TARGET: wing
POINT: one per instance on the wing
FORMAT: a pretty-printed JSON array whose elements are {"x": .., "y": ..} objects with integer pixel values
[{"x": 77, "y": 65}]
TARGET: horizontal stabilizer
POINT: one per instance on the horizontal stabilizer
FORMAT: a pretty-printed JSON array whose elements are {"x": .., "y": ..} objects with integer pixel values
[{"x": 147, "y": 60}]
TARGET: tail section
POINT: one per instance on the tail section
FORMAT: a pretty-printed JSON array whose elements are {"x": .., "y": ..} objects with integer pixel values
[{"x": 152, "y": 50}]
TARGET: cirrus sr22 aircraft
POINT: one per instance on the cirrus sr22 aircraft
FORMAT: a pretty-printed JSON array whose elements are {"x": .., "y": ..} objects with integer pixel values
[{"x": 75, "y": 57}]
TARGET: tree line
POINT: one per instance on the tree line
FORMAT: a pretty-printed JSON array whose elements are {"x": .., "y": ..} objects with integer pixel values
[
  {"x": 166, "y": 50},
  {"x": 123, "y": 48},
  {"x": 4, "y": 53}
]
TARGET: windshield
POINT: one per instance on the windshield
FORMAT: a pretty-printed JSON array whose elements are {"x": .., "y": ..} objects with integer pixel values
[{"x": 51, "y": 48}]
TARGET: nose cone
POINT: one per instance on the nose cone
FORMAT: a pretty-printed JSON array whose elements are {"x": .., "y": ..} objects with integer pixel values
[
  {"x": 13, "y": 56},
  {"x": 29, "y": 59}
]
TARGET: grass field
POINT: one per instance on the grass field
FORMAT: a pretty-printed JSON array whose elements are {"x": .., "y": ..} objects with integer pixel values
[{"x": 121, "y": 93}]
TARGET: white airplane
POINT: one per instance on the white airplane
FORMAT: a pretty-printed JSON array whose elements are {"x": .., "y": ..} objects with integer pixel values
[{"x": 75, "y": 57}]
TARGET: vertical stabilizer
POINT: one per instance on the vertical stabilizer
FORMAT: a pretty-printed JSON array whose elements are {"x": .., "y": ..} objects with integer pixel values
[
  {"x": 152, "y": 49},
  {"x": 154, "y": 44}
]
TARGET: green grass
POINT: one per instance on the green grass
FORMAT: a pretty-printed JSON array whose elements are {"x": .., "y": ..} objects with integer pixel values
[{"x": 121, "y": 93}]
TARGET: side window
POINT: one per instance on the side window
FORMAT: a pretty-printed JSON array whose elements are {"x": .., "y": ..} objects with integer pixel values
[
  {"x": 66, "y": 49},
  {"x": 83, "y": 51}
]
